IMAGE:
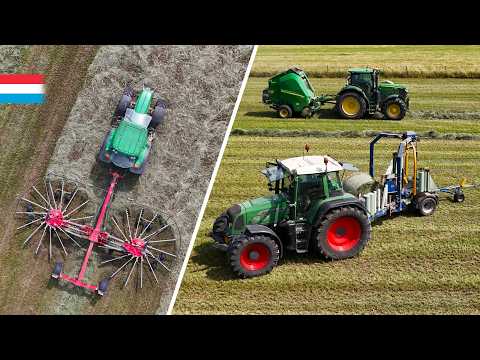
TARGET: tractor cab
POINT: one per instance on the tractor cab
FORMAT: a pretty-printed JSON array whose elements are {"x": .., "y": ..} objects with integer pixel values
[{"x": 364, "y": 78}]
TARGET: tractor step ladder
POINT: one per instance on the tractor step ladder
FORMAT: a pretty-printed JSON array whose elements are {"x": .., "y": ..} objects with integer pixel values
[{"x": 301, "y": 239}]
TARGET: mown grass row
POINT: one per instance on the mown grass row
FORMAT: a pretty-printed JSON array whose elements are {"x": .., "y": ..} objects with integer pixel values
[
  {"x": 419, "y": 61},
  {"x": 446, "y": 106},
  {"x": 412, "y": 264}
]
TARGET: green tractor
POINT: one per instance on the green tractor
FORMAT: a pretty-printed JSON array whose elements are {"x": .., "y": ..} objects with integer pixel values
[
  {"x": 308, "y": 211},
  {"x": 127, "y": 145},
  {"x": 291, "y": 94}
]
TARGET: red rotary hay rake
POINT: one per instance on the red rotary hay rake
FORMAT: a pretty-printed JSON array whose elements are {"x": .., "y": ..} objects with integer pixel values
[{"x": 57, "y": 215}]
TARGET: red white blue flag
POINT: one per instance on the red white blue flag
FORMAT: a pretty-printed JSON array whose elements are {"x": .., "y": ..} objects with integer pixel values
[{"x": 22, "y": 89}]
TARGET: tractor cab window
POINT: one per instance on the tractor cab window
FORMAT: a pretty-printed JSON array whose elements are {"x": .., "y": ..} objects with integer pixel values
[
  {"x": 310, "y": 188},
  {"x": 362, "y": 80},
  {"x": 334, "y": 183},
  {"x": 288, "y": 188}
]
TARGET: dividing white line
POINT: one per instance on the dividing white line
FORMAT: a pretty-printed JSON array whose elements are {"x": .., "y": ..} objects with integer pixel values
[{"x": 212, "y": 180}]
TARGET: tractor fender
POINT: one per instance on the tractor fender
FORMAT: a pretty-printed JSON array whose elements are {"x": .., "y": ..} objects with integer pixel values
[
  {"x": 330, "y": 205},
  {"x": 351, "y": 88},
  {"x": 265, "y": 230},
  {"x": 389, "y": 97}
]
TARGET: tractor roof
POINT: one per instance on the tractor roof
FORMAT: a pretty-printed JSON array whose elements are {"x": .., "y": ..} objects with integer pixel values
[
  {"x": 362, "y": 70},
  {"x": 305, "y": 165}
]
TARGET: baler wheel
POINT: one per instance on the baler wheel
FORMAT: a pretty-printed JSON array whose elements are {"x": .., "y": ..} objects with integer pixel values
[
  {"x": 426, "y": 205},
  {"x": 253, "y": 256},
  {"x": 343, "y": 233},
  {"x": 285, "y": 111},
  {"x": 351, "y": 105},
  {"x": 306, "y": 112}
]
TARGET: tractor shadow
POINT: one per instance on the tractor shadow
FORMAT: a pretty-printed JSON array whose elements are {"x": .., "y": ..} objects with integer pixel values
[
  {"x": 322, "y": 114},
  {"x": 215, "y": 262},
  {"x": 100, "y": 177}
]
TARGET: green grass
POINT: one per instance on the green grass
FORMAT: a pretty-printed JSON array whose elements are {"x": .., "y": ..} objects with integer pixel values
[
  {"x": 441, "y": 105},
  {"x": 411, "y": 265},
  {"x": 401, "y": 61}
]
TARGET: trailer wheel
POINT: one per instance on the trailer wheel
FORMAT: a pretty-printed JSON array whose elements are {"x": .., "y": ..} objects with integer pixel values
[
  {"x": 343, "y": 233},
  {"x": 102, "y": 287},
  {"x": 306, "y": 112},
  {"x": 351, "y": 105},
  {"x": 285, "y": 111},
  {"x": 426, "y": 205},
  {"x": 57, "y": 270},
  {"x": 394, "y": 109},
  {"x": 253, "y": 256},
  {"x": 459, "y": 197}
]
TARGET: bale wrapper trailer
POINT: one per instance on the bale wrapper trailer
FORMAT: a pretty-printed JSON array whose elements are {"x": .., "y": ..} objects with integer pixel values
[
  {"x": 139, "y": 237},
  {"x": 312, "y": 209},
  {"x": 292, "y": 94}
]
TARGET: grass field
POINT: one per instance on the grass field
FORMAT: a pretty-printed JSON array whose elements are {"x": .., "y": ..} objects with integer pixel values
[
  {"x": 405, "y": 61},
  {"x": 411, "y": 265},
  {"x": 441, "y": 105}
]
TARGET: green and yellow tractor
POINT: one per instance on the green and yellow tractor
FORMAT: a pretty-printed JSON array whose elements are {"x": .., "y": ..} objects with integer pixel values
[
  {"x": 127, "y": 145},
  {"x": 292, "y": 94}
]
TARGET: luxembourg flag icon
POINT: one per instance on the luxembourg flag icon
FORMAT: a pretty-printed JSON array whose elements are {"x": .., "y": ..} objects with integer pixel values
[{"x": 22, "y": 89}]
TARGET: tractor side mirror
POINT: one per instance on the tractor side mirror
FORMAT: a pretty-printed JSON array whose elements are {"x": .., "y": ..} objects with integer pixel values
[{"x": 270, "y": 186}]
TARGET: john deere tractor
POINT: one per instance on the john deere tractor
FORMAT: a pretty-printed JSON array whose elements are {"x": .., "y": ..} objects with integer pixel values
[
  {"x": 308, "y": 211},
  {"x": 291, "y": 94},
  {"x": 127, "y": 145}
]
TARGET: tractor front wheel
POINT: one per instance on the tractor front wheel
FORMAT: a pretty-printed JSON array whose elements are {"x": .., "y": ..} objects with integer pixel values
[
  {"x": 343, "y": 233},
  {"x": 253, "y": 256},
  {"x": 351, "y": 105},
  {"x": 394, "y": 109},
  {"x": 122, "y": 106},
  {"x": 285, "y": 111}
]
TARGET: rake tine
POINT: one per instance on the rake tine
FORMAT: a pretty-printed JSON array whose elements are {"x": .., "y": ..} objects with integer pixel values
[
  {"x": 130, "y": 273},
  {"x": 34, "y": 203},
  {"x": 38, "y": 192},
  {"x": 53, "y": 195},
  {"x": 41, "y": 239},
  {"x": 70, "y": 237},
  {"x": 77, "y": 208},
  {"x": 31, "y": 212},
  {"x": 47, "y": 192},
  {"x": 82, "y": 218},
  {"x": 151, "y": 268},
  {"x": 157, "y": 232},
  {"x": 118, "y": 227},
  {"x": 115, "y": 238},
  {"x": 149, "y": 223},
  {"x": 61, "y": 243},
  {"x": 120, "y": 268},
  {"x": 31, "y": 222},
  {"x": 159, "y": 241},
  {"x": 33, "y": 233},
  {"x": 141, "y": 272},
  {"x": 61, "y": 195},
  {"x": 138, "y": 222},
  {"x": 151, "y": 247},
  {"x": 117, "y": 258},
  {"x": 154, "y": 258},
  {"x": 128, "y": 224},
  {"x": 74, "y": 193}
]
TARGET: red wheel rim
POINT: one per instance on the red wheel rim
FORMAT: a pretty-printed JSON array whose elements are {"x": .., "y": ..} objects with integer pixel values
[
  {"x": 344, "y": 233},
  {"x": 255, "y": 257}
]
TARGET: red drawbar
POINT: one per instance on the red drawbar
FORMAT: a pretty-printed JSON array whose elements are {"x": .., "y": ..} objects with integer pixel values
[
  {"x": 344, "y": 233},
  {"x": 255, "y": 257},
  {"x": 22, "y": 79},
  {"x": 77, "y": 282}
]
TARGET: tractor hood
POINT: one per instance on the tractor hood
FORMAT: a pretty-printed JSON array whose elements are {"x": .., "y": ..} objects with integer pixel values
[
  {"x": 263, "y": 210},
  {"x": 386, "y": 84}
]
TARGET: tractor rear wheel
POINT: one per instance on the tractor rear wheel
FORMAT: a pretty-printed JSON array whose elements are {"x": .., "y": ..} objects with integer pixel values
[
  {"x": 343, "y": 233},
  {"x": 285, "y": 111},
  {"x": 426, "y": 205},
  {"x": 253, "y": 256},
  {"x": 351, "y": 105},
  {"x": 394, "y": 109}
]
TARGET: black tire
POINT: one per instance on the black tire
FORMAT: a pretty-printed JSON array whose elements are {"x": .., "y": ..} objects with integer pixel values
[
  {"x": 219, "y": 227},
  {"x": 158, "y": 115},
  {"x": 103, "y": 287},
  {"x": 284, "y": 112},
  {"x": 102, "y": 153},
  {"x": 343, "y": 233},
  {"x": 400, "y": 106},
  {"x": 122, "y": 106},
  {"x": 347, "y": 115},
  {"x": 459, "y": 197},
  {"x": 57, "y": 270},
  {"x": 306, "y": 112},
  {"x": 426, "y": 205},
  {"x": 253, "y": 256}
]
